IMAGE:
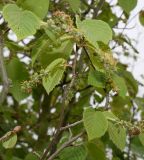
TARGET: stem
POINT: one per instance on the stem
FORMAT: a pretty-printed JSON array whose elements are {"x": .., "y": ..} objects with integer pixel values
[
  {"x": 65, "y": 145},
  {"x": 53, "y": 144},
  {"x": 98, "y": 8},
  {"x": 71, "y": 125},
  {"x": 3, "y": 72},
  {"x": 89, "y": 57}
]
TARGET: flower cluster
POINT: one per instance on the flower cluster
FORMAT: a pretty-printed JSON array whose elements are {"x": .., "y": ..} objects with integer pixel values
[{"x": 35, "y": 79}]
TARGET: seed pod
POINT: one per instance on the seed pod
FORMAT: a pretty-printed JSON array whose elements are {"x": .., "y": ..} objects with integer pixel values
[
  {"x": 134, "y": 131},
  {"x": 17, "y": 129}
]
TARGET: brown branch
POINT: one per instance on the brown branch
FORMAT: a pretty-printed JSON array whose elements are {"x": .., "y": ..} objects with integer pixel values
[
  {"x": 64, "y": 146},
  {"x": 3, "y": 72},
  {"x": 71, "y": 125},
  {"x": 53, "y": 144}
]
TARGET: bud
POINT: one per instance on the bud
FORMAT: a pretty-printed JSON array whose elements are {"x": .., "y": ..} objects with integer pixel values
[{"x": 17, "y": 129}]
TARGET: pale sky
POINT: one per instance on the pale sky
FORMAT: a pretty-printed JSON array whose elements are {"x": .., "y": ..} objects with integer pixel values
[{"x": 137, "y": 33}]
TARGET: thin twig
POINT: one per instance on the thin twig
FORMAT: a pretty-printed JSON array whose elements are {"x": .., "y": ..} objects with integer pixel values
[
  {"x": 126, "y": 24},
  {"x": 3, "y": 72},
  {"x": 71, "y": 125},
  {"x": 89, "y": 57},
  {"x": 64, "y": 146},
  {"x": 98, "y": 8}
]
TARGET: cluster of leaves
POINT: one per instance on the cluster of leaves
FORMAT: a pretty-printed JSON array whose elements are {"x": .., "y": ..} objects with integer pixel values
[{"x": 72, "y": 98}]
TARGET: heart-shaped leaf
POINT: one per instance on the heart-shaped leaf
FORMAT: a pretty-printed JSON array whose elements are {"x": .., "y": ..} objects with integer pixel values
[{"x": 24, "y": 23}]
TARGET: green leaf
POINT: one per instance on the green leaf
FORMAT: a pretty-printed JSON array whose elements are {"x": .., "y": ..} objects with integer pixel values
[
  {"x": 45, "y": 52},
  {"x": 39, "y": 49},
  {"x": 17, "y": 91},
  {"x": 96, "y": 151},
  {"x": 96, "y": 30},
  {"x": 17, "y": 73},
  {"x": 141, "y": 17},
  {"x": 52, "y": 36},
  {"x": 140, "y": 102},
  {"x": 96, "y": 61},
  {"x": 96, "y": 78},
  {"x": 120, "y": 83},
  {"x": 141, "y": 138},
  {"x": 131, "y": 83},
  {"x": 136, "y": 147},
  {"x": 31, "y": 156},
  {"x": 95, "y": 123},
  {"x": 55, "y": 72},
  {"x": 40, "y": 8},
  {"x": 118, "y": 135},
  {"x": 10, "y": 143},
  {"x": 127, "y": 5},
  {"x": 23, "y": 23},
  {"x": 73, "y": 153},
  {"x": 109, "y": 115},
  {"x": 75, "y": 5}
]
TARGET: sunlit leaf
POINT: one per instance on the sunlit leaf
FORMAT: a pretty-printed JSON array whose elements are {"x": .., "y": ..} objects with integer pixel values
[
  {"x": 95, "y": 123},
  {"x": 40, "y": 8},
  {"x": 24, "y": 23},
  {"x": 54, "y": 74},
  {"x": 96, "y": 30},
  {"x": 120, "y": 84},
  {"x": 10, "y": 142}
]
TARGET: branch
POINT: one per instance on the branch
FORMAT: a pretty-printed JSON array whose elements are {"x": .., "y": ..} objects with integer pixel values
[
  {"x": 3, "y": 73},
  {"x": 52, "y": 146},
  {"x": 98, "y": 8},
  {"x": 65, "y": 145},
  {"x": 71, "y": 125}
]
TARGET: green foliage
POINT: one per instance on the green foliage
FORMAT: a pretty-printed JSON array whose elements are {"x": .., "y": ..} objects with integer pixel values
[
  {"x": 110, "y": 116},
  {"x": 117, "y": 134},
  {"x": 48, "y": 81},
  {"x": 96, "y": 78},
  {"x": 141, "y": 137},
  {"x": 127, "y": 5},
  {"x": 24, "y": 23},
  {"x": 95, "y": 123},
  {"x": 96, "y": 27},
  {"x": 31, "y": 156},
  {"x": 73, "y": 153},
  {"x": 95, "y": 151},
  {"x": 54, "y": 74},
  {"x": 45, "y": 53},
  {"x": 74, "y": 4},
  {"x": 120, "y": 84},
  {"x": 141, "y": 18},
  {"x": 40, "y": 8},
  {"x": 10, "y": 142},
  {"x": 17, "y": 73},
  {"x": 131, "y": 83}
]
